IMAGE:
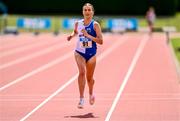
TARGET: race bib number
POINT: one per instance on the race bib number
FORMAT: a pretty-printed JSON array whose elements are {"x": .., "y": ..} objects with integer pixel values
[{"x": 85, "y": 42}]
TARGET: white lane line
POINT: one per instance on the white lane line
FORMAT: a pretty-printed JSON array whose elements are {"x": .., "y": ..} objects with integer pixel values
[
  {"x": 17, "y": 42},
  {"x": 23, "y": 48},
  {"x": 102, "y": 56},
  {"x": 42, "y": 68},
  {"x": 39, "y": 53},
  {"x": 32, "y": 99},
  {"x": 130, "y": 70}
]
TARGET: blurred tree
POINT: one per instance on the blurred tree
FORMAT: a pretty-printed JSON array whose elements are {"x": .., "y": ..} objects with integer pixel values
[
  {"x": 118, "y": 7},
  {"x": 3, "y": 8},
  {"x": 178, "y": 5}
]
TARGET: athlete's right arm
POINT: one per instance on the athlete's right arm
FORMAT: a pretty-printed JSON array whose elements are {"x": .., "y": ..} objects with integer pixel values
[{"x": 74, "y": 33}]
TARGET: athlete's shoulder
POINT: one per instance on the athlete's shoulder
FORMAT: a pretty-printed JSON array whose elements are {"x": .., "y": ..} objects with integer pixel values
[
  {"x": 80, "y": 21},
  {"x": 77, "y": 23},
  {"x": 96, "y": 24}
]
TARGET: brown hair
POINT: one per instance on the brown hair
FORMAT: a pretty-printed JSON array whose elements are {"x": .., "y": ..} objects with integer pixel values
[{"x": 89, "y": 4}]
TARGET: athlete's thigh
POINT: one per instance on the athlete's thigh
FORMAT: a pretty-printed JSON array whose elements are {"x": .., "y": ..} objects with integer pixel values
[
  {"x": 90, "y": 67},
  {"x": 81, "y": 63}
]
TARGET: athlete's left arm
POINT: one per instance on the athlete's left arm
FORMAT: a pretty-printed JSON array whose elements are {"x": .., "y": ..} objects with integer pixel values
[{"x": 98, "y": 39}]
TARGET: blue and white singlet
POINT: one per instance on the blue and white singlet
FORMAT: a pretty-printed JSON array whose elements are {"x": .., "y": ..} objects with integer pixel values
[{"x": 85, "y": 46}]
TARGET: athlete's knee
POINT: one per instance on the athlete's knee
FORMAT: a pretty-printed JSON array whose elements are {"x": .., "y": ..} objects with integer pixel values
[
  {"x": 82, "y": 73},
  {"x": 90, "y": 79}
]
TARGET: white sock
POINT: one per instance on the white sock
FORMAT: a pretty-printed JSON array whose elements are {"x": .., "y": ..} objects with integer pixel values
[{"x": 81, "y": 99}]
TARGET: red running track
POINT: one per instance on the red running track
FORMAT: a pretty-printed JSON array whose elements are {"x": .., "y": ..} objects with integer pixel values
[{"x": 136, "y": 79}]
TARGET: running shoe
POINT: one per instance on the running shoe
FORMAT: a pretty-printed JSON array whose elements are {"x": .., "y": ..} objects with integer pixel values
[
  {"x": 81, "y": 103},
  {"x": 91, "y": 99}
]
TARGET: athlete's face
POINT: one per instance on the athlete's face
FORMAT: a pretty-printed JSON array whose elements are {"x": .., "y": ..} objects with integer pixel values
[{"x": 88, "y": 11}]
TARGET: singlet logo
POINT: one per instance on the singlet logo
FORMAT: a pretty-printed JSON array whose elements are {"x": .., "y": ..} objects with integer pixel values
[{"x": 88, "y": 30}]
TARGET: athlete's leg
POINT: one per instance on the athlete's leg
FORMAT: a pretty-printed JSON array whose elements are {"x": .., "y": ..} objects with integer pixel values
[
  {"x": 81, "y": 63},
  {"x": 90, "y": 67},
  {"x": 151, "y": 26}
]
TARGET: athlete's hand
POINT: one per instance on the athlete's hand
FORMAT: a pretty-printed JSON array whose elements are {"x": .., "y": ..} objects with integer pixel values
[
  {"x": 84, "y": 32},
  {"x": 69, "y": 37}
]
